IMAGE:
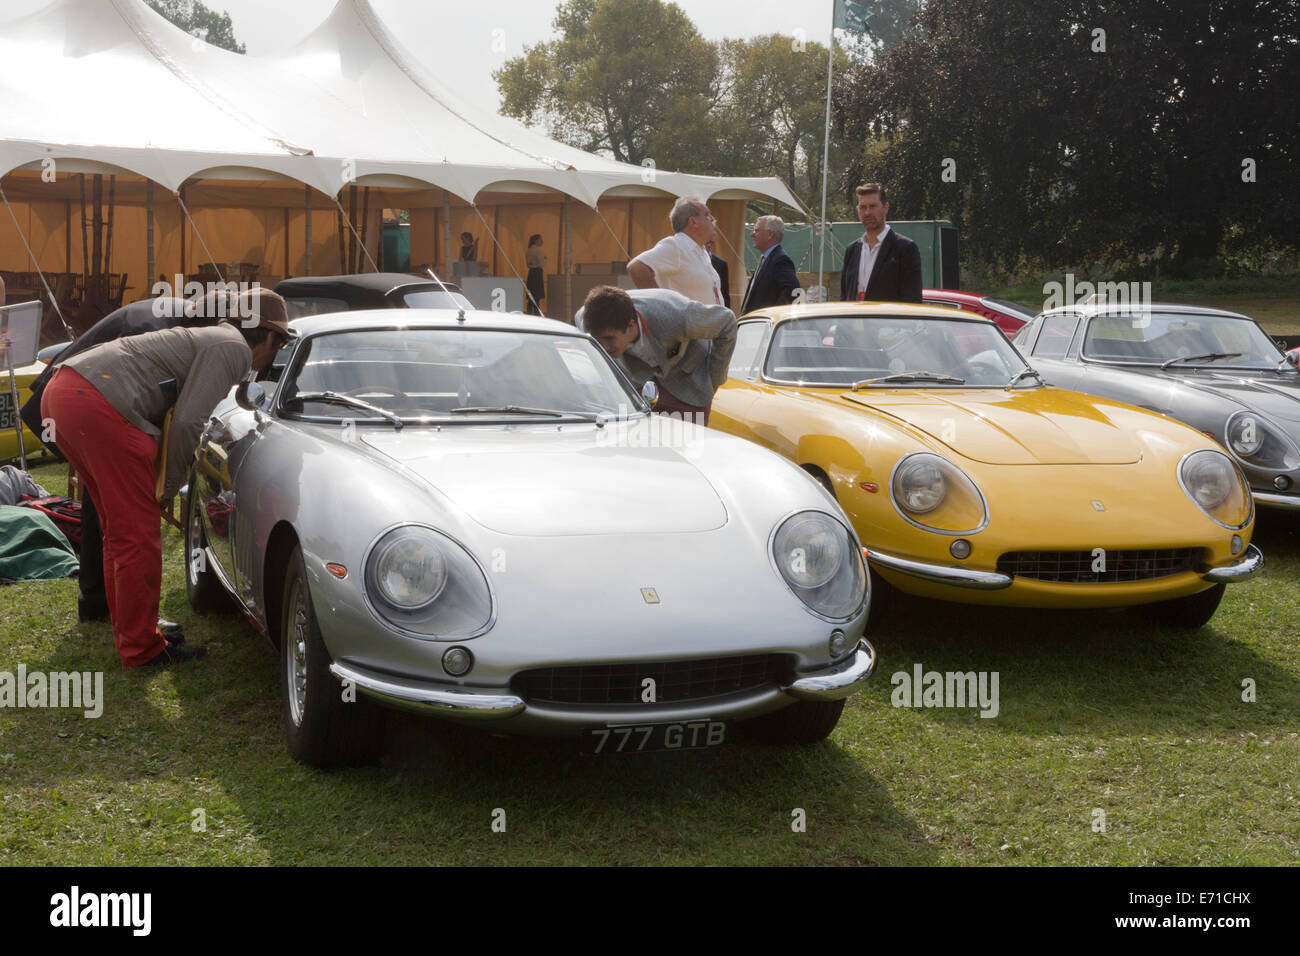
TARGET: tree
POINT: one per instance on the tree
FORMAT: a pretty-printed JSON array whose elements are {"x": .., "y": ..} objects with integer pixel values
[
  {"x": 198, "y": 20},
  {"x": 630, "y": 77},
  {"x": 1086, "y": 129}
]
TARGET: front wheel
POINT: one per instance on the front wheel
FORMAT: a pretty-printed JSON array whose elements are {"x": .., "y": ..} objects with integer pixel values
[
  {"x": 325, "y": 725},
  {"x": 1188, "y": 612},
  {"x": 805, "y": 722}
]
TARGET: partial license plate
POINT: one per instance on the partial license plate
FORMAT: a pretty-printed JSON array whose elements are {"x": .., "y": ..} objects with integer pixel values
[
  {"x": 8, "y": 414},
  {"x": 643, "y": 738}
]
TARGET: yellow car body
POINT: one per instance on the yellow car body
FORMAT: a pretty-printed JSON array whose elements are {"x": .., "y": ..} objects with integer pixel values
[
  {"x": 1094, "y": 483},
  {"x": 25, "y": 376}
]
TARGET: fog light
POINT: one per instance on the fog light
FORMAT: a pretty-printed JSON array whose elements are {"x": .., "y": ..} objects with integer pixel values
[
  {"x": 1281, "y": 482},
  {"x": 839, "y": 643},
  {"x": 457, "y": 661},
  {"x": 1236, "y": 544},
  {"x": 960, "y": 549}
]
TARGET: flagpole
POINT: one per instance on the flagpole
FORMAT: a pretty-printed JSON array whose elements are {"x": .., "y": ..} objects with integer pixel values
[{"x": 826, "y": 156}]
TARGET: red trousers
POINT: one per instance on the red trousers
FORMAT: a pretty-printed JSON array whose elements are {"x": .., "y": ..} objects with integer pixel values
[
  {"x": 116, "y": 463},
  {"x": 670, "y": 404}
]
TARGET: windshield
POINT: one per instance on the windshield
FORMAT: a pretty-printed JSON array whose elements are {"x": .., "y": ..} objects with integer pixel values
[
  {"x": 844, "y": 350},
  {"x": 1210, "y": 340},
  {"x": 461, "y": 375}
]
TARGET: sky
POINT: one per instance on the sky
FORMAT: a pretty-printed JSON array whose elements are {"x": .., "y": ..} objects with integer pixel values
[{"x": 456, "y": 38}]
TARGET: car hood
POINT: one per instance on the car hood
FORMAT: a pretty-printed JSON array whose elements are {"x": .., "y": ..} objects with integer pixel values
[
  {"x": 536, "y": 481},
  {"x": 1266, "y": 393},
  {"x": 1040, "y": 426}
]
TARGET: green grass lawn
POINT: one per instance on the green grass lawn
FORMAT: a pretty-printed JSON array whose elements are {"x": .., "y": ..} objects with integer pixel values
[{"x": 1098, "y": 712}]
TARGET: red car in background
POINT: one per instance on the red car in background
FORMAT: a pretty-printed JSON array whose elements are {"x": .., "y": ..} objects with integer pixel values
[{"x": 1008, "y": 316}]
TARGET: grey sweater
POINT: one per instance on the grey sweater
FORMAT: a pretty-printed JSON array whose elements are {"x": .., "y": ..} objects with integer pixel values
[
  {"x": 128, "y": 372},
  {"x": 689, "y": 346}
]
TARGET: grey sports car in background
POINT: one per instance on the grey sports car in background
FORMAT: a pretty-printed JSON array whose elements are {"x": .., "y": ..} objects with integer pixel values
[
  {"x": 473, "y": 515},
  {"x": 1217, "y": 371}
]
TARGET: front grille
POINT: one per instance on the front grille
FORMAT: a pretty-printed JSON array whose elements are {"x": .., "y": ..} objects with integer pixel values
[
  {"x": 674, "y": 680},
  {"x": 1121, "y": 565}
]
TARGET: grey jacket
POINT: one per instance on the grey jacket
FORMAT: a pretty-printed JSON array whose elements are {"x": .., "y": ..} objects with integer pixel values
[
  {"x": 204, "y": 363},
  {"x": 689, "y": 346}
]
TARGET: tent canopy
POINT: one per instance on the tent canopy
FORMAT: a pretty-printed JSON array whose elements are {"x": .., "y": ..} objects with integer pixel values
[{"x": 112, "y": 82}]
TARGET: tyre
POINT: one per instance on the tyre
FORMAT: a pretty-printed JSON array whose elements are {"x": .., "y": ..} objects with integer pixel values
[
  {"x": 1189, "y": 612},
  {"x": 321, "y": 729},
  {"x": 806, "y": 722},
  {"x": 206, "y": 593}
]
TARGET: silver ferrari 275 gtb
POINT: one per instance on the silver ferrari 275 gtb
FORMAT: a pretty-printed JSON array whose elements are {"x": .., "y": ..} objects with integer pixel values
[{"x": 475, "y": 516}]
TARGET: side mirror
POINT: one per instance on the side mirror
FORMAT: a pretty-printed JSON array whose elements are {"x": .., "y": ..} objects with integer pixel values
[
  {"x": 250, "y": 396},
  {"x": 1293, "y": 357},
  {"x": 650, "y": 392}
]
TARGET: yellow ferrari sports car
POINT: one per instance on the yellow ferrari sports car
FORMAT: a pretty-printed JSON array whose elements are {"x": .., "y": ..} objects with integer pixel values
[{"x": 968, "y": 479}]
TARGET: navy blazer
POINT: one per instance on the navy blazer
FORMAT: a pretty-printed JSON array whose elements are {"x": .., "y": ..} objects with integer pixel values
[
  {"x": 896, "y": 276},
  {"x": 773, "y": 283}
]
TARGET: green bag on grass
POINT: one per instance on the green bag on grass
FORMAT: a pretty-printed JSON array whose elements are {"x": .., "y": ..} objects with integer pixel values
[{"x": 32, "y": 548}]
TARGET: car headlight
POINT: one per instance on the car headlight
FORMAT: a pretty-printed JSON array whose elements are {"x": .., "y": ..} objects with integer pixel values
[
  {"x": 422, "y": 582},
  {"x": 820, "y": 561},
  {"x": 1215, "y": 485},
  {"x": 926, "y": 484},
  {"x": 1255, "y": 440}
]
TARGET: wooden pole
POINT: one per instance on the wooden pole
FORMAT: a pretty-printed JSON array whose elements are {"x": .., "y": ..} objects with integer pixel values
[
  {"x": 286, "y": 243},
  {"x": 307, "y": 207},
  {"x": 353, "y": 258},
  {"x": 446, "y": 233},
  {"x": 343, "y": 248},
  {"x": 365, "y": 222},
  {"x": 108, "y": 229},
  {"x": 67, "y": 236},
  {"x": 185, "y": 231},
  {"x": 569, "y": 310},
  {"x": 85, "y": 255},
  {"x": 150, "y": 257}
]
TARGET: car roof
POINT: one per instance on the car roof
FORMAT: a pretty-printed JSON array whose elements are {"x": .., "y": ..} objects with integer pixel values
[
  {"x": 379, "y": 282},
  {"x": 1170, "y": 308},
  {"x": 429, "y": 319},
  {"x": 814, "y": 310}
]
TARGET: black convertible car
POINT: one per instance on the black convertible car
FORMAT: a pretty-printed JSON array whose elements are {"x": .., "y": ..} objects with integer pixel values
[{"x": 317, "y": 295}]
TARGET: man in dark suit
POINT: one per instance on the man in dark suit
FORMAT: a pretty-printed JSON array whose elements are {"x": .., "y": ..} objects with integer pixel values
[
  {"x": 882, "y": 266},
  {"x": 724, "y": 273},
  {"x": 775, "y": 281}
]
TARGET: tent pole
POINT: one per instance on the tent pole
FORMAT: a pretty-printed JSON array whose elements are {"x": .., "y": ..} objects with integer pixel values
[
  {"x": 148, "y": 232},
  {"x": 365, "y": 226},
  {"x": 185, "y": 231},
  {"x": 67, "y": 236},
  {"x": 569, "y": 310},
  {"x": 446, "y": 233},
  {"x": 343, "y": 251},
  {"x": 286, "y": 242},
  {"x": 356, "y": 238},
  {"x": 85, "y": 255},
  {"x": 306, "y": 190}
]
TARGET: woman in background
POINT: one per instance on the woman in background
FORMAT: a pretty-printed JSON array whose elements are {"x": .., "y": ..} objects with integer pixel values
[{"x": 536, "y": 281}]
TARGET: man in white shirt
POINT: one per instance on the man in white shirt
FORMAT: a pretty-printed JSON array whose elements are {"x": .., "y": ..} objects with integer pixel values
[
  {"x": 882, "y": 266},
  {"x": 680, "y": 262}
]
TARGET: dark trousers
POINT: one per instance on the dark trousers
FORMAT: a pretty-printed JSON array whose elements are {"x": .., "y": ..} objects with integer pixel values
[
  {"x": 93, "y": 600},
  {"x": 670, "y": 404}
]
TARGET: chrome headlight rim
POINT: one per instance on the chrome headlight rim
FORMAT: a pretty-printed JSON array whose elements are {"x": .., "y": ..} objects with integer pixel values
[
  {"x": 374, "y": 580},
  {"x": 855, "y": 554},
  {"x": 1237, "y": 473},
  {"x": 397, "y": 627},
  {"x": 903, "y": 513},
  {"x": 1268, "y": 428}
]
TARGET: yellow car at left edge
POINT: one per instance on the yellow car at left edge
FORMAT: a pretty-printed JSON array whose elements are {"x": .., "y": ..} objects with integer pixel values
[
  {"x": 25, "y": 375},
  {"x": 969, "y": 479}
]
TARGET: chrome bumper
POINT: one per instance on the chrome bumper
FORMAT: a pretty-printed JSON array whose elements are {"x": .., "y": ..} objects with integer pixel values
[
  {"x": 1289, "y": 502},
  {"x": 836, "y": 684},
  {"x": 1247, "y": 567},
  {"x": 940, "y": 574},
  {"x": 425, "y": 700}
]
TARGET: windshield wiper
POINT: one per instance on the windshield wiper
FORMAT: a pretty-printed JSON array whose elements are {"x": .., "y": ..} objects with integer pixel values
[
  {"x": 1207, "y": 357},
  {"x": 1023, "y": 374},
  {"x": 909, "y": 377},
  {"x": 522, "y": 410},
  {"x": 334, "y": 398}
]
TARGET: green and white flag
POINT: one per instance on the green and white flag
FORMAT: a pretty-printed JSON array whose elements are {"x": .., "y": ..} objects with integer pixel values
[{"x": 852, "y": 15}]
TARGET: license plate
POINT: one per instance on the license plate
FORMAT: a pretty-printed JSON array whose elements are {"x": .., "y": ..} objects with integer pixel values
[
  {"x": 8, "y": 414},
  {"x": 644, "y": 738}
]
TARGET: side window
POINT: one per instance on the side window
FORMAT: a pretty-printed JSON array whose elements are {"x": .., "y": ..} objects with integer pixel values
[
  {"x": 1055, "y": 338},
  {"x": 747, "y": 358}
]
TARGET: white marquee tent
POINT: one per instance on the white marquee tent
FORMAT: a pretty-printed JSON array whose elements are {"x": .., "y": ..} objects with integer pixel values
[{"x": 245, "y": 148}]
